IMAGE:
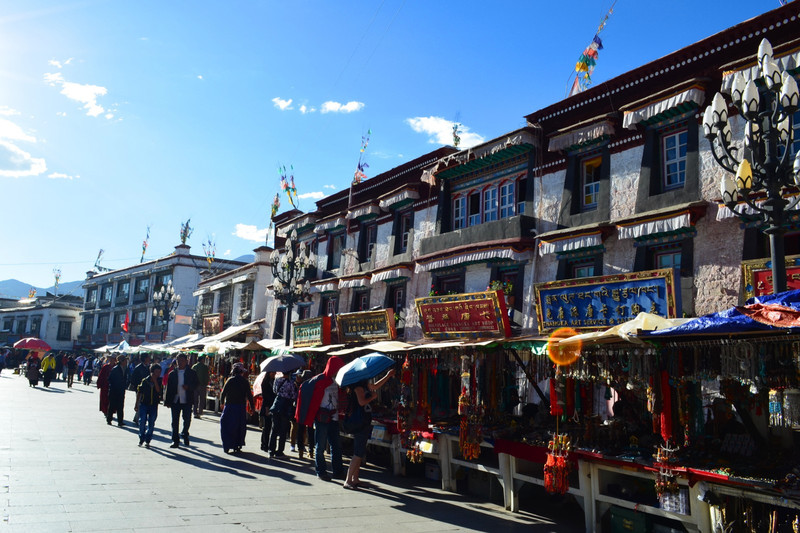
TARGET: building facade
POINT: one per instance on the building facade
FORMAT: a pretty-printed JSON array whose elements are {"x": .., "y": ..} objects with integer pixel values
[{"x": 53, "y": 319}]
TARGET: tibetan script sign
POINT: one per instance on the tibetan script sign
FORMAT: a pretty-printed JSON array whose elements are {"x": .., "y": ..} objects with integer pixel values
[
  {"x": 457, "y": 316},
  {"x": 311, "y": 332},
  {"x": 757, "y": 276},
  {"x": 154, "y": 336},
  {"x": 212, "y": 324},
  {"x": 600, "y": 302},
  {"x": 366, "y": 326}
]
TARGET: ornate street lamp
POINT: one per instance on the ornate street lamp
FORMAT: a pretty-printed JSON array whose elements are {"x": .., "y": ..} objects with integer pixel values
[
  {"x": 165, "y": 302},
  {"x": 288, "y": 272},
  {"x": 765, "y": 166}
]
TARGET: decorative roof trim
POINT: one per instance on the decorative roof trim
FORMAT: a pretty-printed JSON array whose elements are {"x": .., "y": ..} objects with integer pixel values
[
  {"x": 395, "y": 198},
  {"x": 329, "y": 224},
  {"x": 571, "y": 242},
  {"x": 581, "y": 135},
  {"x": 474, "y": 256},
  {"x": 364, "y": 210},
  {"x": 694, "y": 94},
  {"x": 353, "y": 283},
  {"x": 402, "y": 272}
]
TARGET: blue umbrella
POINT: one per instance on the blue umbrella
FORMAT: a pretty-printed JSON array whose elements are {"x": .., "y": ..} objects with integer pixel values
[
  {"x": 365, "y": 367},
  {"x": 285, "y": 362}
]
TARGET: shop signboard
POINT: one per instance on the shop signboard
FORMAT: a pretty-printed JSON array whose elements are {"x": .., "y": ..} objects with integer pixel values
[
  {"x": 458, "y": 316},
  {"x": 757, "y": 276},
  {"x": 212, "y": 324},
  {"x": 183, "y": 319},
  {"x": 154, "y": 336},
  {"x": 366, "y": 326},
  {"x": 311, "y": 332},
  {"x": 597, "y": 303},
  {"x": 113, "y": 338}
]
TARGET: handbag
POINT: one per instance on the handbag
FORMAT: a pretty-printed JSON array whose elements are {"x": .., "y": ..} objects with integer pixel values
[
  {"x": 281, "y": 405},
  {"x": 355, "y": 420},
  {"x": 324, "y": 416}
]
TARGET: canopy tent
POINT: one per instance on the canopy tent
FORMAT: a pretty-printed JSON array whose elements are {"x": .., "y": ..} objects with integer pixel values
[
  {"x": 626, "y": 331},
  {"x": 770, "y": 313},
  {"x": 380, "y": 346}
]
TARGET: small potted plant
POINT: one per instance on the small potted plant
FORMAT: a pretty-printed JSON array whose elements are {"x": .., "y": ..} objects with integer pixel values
[{"x": 506, "y": 286}]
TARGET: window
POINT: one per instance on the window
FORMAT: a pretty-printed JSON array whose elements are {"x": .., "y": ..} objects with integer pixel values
[
  {"x": 280, "y": 319},
  {"x": 590, "y": 179},
  {"x": 335, "y": 247},
  {"x": 246, "y": 301},
  {"x": 22, "y": 324},
  {"x": 102, "y": 324},
  {"x": 507, "y": 200},
  {"x": 368, "y": 237},
  {"x": 329, "y": 305},
  {"x": 206, "y": 304},
  {"x": 123, "y": 290},
  {"x": 459, "y": 212},
  {"x": 673, "y": 146},
  {"x": 91, "y": 297},
  {"x": 225, "y": 305},
  {"x": 119, "y": 318},
  {"x": 36, "y": 326},
  {"x": 86, "y": 325},
  {"x": 163, "y": 279},
  {"x": 64, "y": 330},
  {"x": 303, "y": 311},
  {"x": 8, "y": 323},
  {"x": 138, "y": 321},
  {"x": 522, "y": 189},
  {"x": 449, "y": 284},
  {"x": 397, "y": 298},
  {"x": 490, "y": 204},
  {"x": 667, "y": 258},
  {"x": 141, "y": 289},
  {"x": 584, "y": 269},
  {"x": 474, "y": 207},
  {"x": 105, "y": 294},
  {"x": 404, "y": 222},
  {"x": 360, "y": 301}
]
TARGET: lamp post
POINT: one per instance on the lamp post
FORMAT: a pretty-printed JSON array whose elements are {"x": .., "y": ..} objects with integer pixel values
[
  {"x": 764, "y": 169},
  {"x": 165, "y": 302},
  {"x": 287, "y": 273}
]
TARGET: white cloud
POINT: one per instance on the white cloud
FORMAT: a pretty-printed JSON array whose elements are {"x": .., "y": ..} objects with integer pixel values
[
  {"x": 304, "y": 109},
  {"x": 281, "y": 104},
  {"x": 199, "y": 76},
  {"x": 59, "y": 64},
  {"x": 336, "y": 107},
  {"x": 440, "y": 131},
  {"x": 61, "y": 176},
  {"x": 7, "y": 111},
  {"x": 250, "y": 233},
  {"x": 329, "y": 187},
  {"x": 109, "y": 116},
  {"x": 61, "y": 113},
  {"x": 86, "y": 94},
  {"x": 312, "y": 195},
  {"x": 9, "y": 130},
  {"x": 227, "y": 253},
  {"x": 24, "y": 164}
]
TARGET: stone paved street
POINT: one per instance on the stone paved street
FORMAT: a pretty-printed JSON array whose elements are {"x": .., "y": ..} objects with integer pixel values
[{"x": 63, "y": 469}]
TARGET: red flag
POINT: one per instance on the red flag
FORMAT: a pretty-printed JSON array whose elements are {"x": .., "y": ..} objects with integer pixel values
[{"x": 125, "y": 324}]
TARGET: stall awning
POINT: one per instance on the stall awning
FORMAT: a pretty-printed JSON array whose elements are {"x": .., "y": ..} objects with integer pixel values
[
  {"x": 322, "y": 227},
  {"x": 402, "y": 272},
  {"x": 381, "y": 346},
  {"x": 581, "y": 135},
  {"x": 654, "y": 225},
  {"x": 407, "y": 194},
  {"x": 230, "y": 333},
  {"x": 624, "y": 332},
  {"x": 363, "y": 211},
  {"x": 570, "y": 242},
  {"x": 353, "y": 283},
  {"x": 752, "y": 71},
  {"x": 320, "y": 349},
  {"x": 437, "y": 345},
  {"x": 724, "y": 213},
  {"x": 473, "y": 257},
  {"x": 633, "y": 117},
  {"x": 198, "y": 292}
]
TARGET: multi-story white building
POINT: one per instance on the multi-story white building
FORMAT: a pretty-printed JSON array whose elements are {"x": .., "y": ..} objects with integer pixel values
[
  {"x": 113, "y": 295},
  {"x": 52, "y": 319}
]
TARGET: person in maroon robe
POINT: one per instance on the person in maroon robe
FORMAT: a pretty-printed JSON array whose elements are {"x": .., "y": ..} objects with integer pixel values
[{"x": 103, "y": 385}]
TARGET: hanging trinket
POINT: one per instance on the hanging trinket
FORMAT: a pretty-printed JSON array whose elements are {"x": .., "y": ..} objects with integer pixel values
[{"x": 557, "y": 467}]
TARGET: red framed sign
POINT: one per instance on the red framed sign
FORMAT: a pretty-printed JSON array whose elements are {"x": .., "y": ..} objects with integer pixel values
[{"x": 458, "y": 316}]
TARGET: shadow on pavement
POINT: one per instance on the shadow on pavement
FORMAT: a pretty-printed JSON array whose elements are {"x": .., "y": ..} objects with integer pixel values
[{"x": 51, "y": 389}]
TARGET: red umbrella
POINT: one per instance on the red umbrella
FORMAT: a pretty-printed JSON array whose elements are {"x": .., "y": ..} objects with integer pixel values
[{"x": 32, "y": 343}]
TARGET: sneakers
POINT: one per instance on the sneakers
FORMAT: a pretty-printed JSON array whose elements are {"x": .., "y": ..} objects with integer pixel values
[
  {"x": 141, "y": 442},
  {"x": 174, "y": 445},
  {"x": 292, "y": 448},
  {"x": 186, "y": 440}
]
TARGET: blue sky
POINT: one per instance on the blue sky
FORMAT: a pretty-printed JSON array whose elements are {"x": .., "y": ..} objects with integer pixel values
[{"x": 115, "y": 116}]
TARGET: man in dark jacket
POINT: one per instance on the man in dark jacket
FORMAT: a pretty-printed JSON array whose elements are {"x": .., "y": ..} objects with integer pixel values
[
  {"x": 117, "y": 381},
  {"x": 201, "y": 369},
  {"x": 179, "y": 397},
  {"x": 140, "y": 372}
]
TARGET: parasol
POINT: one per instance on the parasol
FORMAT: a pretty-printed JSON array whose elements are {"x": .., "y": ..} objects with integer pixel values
[
  {"x": 365, "y": 367},
  {"x": 33, "y": 344},
  {"x": 257, "y": 384},
  {"x": 282, "y": 363}
]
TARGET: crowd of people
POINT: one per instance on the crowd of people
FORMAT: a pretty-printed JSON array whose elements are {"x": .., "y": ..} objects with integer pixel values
[{"x": 309, "y": 411}]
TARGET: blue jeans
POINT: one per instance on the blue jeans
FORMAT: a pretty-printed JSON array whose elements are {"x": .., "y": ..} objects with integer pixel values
[
  {"x": 181, "y": 411},
  {"x": 324, "y": 434},
  {"x": 147, "y": 421}
]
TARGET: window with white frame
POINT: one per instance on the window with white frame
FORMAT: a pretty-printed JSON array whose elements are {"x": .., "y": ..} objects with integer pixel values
[
  {"x": 522, "y": 189},
  {"x": 64, "y": 330},
  {"x": 102, "y": 324},
  {"x": 246, "y": 301},
  {"x": 673, "y": 150},
  {"x": 590, "y": 180},
  {"x": 582, "y": 269},
  {"x": 474, "y": 209},
  {"x": 372, "y": 239},
  {"x": 490, "y": 204},
  {"x": 459, "y": 212},
  {"x": 507, "y": 199},
  {"x": 406, "y": 223},
  {"x": 335, "y": 247},
  {"x": 36, "y": 326}
]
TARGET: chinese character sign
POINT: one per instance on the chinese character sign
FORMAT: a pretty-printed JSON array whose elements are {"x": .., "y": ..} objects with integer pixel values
[
  {"x": 472, "y": 315},
  {"x": 601, "y": 302}
]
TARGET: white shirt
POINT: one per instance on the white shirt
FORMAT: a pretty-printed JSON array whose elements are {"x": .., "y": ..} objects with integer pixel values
[
  {"x": 181, "y": 396},
  {"x": 330, "y": 400}
]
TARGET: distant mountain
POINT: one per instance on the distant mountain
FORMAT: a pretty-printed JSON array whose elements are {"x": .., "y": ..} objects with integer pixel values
[
  {"x": 13, "y": 288},
  {"x": 249, "y": 258}
]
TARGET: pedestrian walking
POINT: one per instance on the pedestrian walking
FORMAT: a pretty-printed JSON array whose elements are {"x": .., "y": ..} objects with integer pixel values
[
  {"x": 64, "y": 358},
  {"x": 360, "y": 396},
  {"x": 72, "y": 367},
  {"x": 139, "y": 373},
  {"x": 88, "y": 369},
  {"x": 235, "y": 396},
  {"x": 181, "y": 387},
  {"x": 299, "y": 431},
  {"x": 102, "y": 384},
  {"x": 117, "y": 381},
  {"x": 148, "y": 396},
  {"x": 267, "y": 398},
  {"x": 201, "y": 369},
  {"x": 285, "y": 396},
  {"x": 48, "y": 369},
  {"x": 32, "y": 369},
  {"x": 3, "y": 355},
  {"x": 318, "y": 405}
]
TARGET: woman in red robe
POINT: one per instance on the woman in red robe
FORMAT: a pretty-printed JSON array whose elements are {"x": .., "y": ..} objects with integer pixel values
[{"x": 103, "y": 385}]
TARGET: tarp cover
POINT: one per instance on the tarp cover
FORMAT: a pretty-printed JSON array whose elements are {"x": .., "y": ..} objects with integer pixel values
[{"x": 772, "y": 312}]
